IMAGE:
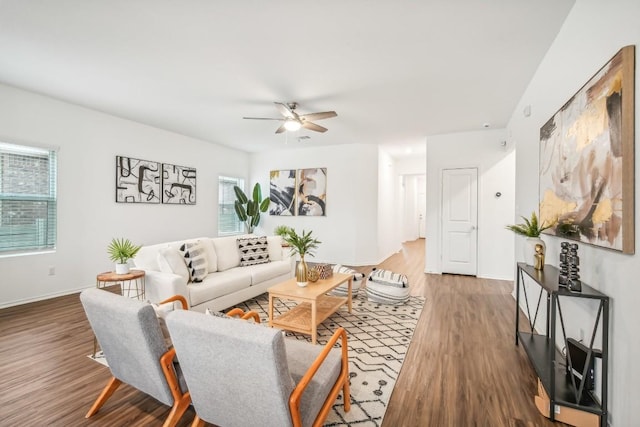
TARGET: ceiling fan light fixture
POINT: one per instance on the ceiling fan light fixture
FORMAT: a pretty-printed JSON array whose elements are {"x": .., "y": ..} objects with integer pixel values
[{"x": 292, "y": 125}]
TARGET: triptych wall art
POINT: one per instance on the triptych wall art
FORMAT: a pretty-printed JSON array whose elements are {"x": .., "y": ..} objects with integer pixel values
[
  {"x": 587, "y": 160},
  {"x": 143, "y": 181},
  {"x": 301, "y": 192}
]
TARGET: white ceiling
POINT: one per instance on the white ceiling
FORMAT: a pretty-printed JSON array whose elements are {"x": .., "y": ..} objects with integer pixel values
[{"x": 394, "y": 71}]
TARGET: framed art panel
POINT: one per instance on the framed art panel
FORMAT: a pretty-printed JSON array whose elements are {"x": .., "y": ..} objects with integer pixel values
[
  {"x": 178, "y": 185},
  {"x": 282, "y": 192},
  {"x": 587, "y": 160},
  {"x": 311, "y": 194},
  {"x": 137, "y": 181}
]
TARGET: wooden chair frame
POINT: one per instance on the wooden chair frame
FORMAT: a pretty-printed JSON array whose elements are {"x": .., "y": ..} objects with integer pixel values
[{"x": 181, "y": 400}]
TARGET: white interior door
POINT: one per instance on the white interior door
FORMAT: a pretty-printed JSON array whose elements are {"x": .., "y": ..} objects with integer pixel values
[
  {"x": 460, "y": 221},
  {"x": 422, "y": 205}
]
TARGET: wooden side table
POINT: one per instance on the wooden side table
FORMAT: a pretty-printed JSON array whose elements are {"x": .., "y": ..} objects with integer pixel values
[{"x": 131, "y": 284}]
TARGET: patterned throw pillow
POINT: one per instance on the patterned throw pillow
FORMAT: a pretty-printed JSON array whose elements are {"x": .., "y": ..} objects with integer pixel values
[
  {"x": 387, "y": 277},
  {"x": 195, "y": 258},
  {"x": 253, "y": 250}
]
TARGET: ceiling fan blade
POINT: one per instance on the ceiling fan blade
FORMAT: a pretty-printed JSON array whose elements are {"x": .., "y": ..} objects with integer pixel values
[
  {"x": 261, "y": 118},
  {"x": 285, "y": 110},
  {"x": 313, "y": 126},
  {"x": 281, "y": 129},
  {"x": 319, "y": 116}
]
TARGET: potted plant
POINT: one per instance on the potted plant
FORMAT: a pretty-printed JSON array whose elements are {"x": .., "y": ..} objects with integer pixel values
[
  {"x": 248, "y": 210},
  {"x": 282, "y": 231},
  {"x": 302, "y": 245},
  {"x": 531, "y": 229},
  {"x": 120, "y": 252}
]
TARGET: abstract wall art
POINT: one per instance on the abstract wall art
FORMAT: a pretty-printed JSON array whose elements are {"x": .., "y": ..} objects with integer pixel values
[
  {"x": 311, "y": 194},
  {"x": 178, "y": 185},
  {"x": 137, "y": 181},
  {"x": 587, "y": 160},
  {"x": 282, "y": 192}
]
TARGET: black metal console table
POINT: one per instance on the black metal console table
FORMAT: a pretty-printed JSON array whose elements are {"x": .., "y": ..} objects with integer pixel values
[{"x": 542, "y": 351}]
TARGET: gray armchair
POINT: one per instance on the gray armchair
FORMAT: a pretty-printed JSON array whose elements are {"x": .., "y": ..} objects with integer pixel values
[
  {"x": 132, "y": 342},
  {"x": 242, "y": 374}
]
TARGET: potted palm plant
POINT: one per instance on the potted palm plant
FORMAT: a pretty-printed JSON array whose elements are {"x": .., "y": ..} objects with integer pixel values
[
  {"x": 120, "y": 252},
  {"x": 282, "y": 231},
  {"x": 302, "y": 245},
  {"x": 531, "y": 229}
]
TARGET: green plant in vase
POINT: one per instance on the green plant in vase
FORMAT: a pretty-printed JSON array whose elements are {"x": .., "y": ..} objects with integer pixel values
[
  {"x": 248, "y": 210},
  {"x": 120, "y": 252},
  {"x": 531, "y": 229},
  {"x": 302, "y": 245},
  {"x": 282, "y": 231}
]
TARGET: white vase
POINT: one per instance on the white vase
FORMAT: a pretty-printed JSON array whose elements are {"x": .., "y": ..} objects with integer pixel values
[
  {"x": 122, "y": 268},
  {"x": 529, "y": 249}
]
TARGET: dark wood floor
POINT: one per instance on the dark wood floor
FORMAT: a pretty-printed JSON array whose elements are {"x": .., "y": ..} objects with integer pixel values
[{"x": 462, "y": 368}]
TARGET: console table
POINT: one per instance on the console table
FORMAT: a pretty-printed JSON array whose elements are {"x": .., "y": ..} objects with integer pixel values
[{"x": 546, "y": 360}]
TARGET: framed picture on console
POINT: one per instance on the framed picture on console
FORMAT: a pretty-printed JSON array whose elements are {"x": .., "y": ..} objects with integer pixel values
[
  {"x": 587, "y": 160},
  {"x": 137, "y": 180}
]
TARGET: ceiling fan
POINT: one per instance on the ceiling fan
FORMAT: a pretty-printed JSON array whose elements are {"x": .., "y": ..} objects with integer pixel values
[{"x": 294, "y": 121}]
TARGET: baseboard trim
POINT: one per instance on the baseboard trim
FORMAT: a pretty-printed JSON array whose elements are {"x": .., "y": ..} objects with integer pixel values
[{"x": 44, "y": 297}]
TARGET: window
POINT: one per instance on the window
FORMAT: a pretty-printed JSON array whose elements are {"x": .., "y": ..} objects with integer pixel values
[
  {"x": 27, "y": 198},
  {"x": 228, "y": 222}
]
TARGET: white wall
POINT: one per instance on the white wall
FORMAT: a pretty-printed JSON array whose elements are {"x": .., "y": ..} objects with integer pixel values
[
  {"x": 389, "y": 220},
  {"x": 349, "y": 232},
  {"x": 88, "y": 216},
  {"x": 415, "y": 164},
  {"x": 496, "y": 173},
  {"x": 592, "y": 33}
]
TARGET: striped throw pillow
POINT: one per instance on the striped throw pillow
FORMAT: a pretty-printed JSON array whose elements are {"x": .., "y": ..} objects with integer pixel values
[{"x": 195, "y": 258}]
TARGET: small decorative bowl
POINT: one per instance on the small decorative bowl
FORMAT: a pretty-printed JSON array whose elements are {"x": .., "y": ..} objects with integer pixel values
[{"x": 313, "y": 275}]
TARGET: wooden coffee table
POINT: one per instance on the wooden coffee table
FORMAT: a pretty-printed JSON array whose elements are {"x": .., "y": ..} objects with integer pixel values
[{"x": 314, "y": 303}]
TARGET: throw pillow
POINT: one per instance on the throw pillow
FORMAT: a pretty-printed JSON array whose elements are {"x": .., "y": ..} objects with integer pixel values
[
  {"x": 195, "y": 258},
  {"x": 253, "y": 250},
  {"x": 210, "y": 312},
  {"x": 170, "y": 261}
]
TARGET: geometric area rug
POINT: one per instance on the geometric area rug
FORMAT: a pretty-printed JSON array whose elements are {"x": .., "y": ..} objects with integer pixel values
[{"x": 378, "y": 337}]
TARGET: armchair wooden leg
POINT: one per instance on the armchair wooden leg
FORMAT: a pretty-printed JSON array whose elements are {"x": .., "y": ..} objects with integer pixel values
[
  {"x": 107, "y": 391},
  {"x": 179, "y": 408},
  {"x": 197, "y": 422},
  {"x": 346, "y": 395}
]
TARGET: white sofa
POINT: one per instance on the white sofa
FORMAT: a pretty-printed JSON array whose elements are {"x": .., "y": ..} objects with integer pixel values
[{"x": 226, "y": 284}]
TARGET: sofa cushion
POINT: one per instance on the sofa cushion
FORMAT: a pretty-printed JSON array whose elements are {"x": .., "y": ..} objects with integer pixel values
[
  {"x": 170, "y": 261},
  {"x": 146, "y": 258},
  {"x": 210, "y": 251},
  {"x": 219, "y": 284},
  {"x": 274, "y": 245},
  {"x": 195, "y": 259},
  {"x": 253, "y": 251},
  {"x": 227, "y": 252},
  {"x": 263, "y": 272}
]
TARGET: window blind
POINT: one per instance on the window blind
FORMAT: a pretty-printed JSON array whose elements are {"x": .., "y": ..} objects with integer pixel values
[
  {"x": 28, "y": 202},
  {"x": 228, "y": 222}
]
